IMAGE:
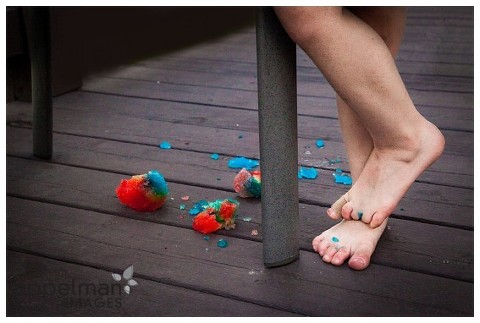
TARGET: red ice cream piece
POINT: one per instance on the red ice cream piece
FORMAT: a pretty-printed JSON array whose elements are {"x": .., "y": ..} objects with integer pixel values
[
  {"x": 205, "y": 223},
  {"x": 227, "y": 210},
  {"x": 132, "y": 193}
]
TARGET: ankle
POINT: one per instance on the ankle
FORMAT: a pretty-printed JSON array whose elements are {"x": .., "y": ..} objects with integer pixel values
[{"x": 407, "y": 145}]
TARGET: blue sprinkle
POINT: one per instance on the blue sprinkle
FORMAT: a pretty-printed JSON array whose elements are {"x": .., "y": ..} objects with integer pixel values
[
  {"x": 165, "y": 145},
  {"x": 320, "y": 143},
  {"x": 360, "y": 214},
  {"x": 240, "y": 136},
  {"x": 338, "y": 171},
  {"x": 206, "y": 238},
  {"x": 242, "y": 162},
  {"x": 309, "y": 173},
  {"x": 342, "y": 178},
  {"x": 214, "y": 156},
  {"x": 335, "y": 239},
  {"x": 182, "y": 207},
  {"x": 222, "y": 243},
  {"x": 247, "y": 219}
]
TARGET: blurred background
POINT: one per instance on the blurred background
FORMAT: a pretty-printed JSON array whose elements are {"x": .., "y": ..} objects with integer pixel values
[{"x": 92, "y": 39}]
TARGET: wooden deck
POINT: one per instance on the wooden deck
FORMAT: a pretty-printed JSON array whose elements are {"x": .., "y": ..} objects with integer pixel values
[{"x": 66, "y": 229}]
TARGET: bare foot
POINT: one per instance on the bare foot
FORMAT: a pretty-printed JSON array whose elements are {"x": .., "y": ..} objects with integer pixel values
[
  {"x": 348, "y": 239},
  {"x": 388, "y": 174}
]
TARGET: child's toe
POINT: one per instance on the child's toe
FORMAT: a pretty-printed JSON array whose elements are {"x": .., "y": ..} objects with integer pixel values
[
  {"x": 378, "y": 218},
  {"x": 316, "y": 242},
  {"x": 360, "y": 258},
  {"x": 340, "y": 257},
  {"x": 347, "y": 210},
  {"x": 329, "y": 253}
]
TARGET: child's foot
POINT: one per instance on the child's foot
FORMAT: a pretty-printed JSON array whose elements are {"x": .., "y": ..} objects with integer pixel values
[
  {"x": 387, "y": 176},
  {"x": 348, "y": 239}
]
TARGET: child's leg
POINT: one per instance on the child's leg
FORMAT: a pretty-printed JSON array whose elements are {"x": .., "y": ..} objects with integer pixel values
[
  {"x": 357, "y": 240},
  {"x": 358, "y": 64},
  {"x": 389, "y": 23}
]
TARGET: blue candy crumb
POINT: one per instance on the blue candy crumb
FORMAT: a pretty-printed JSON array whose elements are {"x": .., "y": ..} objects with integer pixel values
[
  {"x": 165, "y": 145},
  {"x": 320, "y": 143},
  {"x": 342, "y": 178},
  {"x": 242, "y": 162},
  {"x": 309, "y": 173},
  {"x": 198, "y": 207}
]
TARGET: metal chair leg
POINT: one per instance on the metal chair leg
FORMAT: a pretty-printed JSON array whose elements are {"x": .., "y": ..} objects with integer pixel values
[
  {"x": 277, "y": 109},
  {"x": 37, "y": 22}
]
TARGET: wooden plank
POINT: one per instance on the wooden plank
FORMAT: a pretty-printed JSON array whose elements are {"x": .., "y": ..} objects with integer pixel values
[
  {"x": 427, "y": 202},
  {"x": 137, "y": 122},
  {"x": 177, "y": 256},
  {"x": 410, "y": 245},
  {"x": 20, "y": 145},
  {"x": 241, "y": 46},
  {"x": 184, "y": 137},
  {"x": 71, "y": 152},
  {"x": 310, "y": 80},
  {"x": 441, "y": 11},
  {"x": 38, "y": 286},
  {"x": 171, "y": 64},
  {"x": 234, "y": 98},
  {"x": 451, "y": 118},
  {"x": 409, "y": 51}
]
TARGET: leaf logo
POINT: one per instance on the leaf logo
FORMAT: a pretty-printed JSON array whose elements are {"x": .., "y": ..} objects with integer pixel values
[{"x": 127, "y": 275}]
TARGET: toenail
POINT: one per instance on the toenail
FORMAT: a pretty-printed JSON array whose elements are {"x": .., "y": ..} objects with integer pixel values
[{"x": 360, "y": 260}]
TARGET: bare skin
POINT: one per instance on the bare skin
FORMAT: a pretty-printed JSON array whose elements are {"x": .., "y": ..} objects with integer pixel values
[
  {"x": 356, "y": 240},
  {"x": 358, "y": 64}
]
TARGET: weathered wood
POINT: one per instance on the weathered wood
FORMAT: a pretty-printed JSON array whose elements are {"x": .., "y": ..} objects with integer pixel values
[
  {"x": 234, "y": 98},
  {"x": 181, "y": 166},
  {"x": 70, "y": 234},
  {"x": 173, "y": 64},
  {"x": 234, "y": 46},
  {"x": 457, "y": 143},
  {"x": 403, "y": 246},
  {"x": 138, "y": 120},
  {"x": 450, "y": 118},
  {"x": 39, "y": 286},
  {"x": 310, "y": 104},
  {"x": 312, "y": 82}
]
